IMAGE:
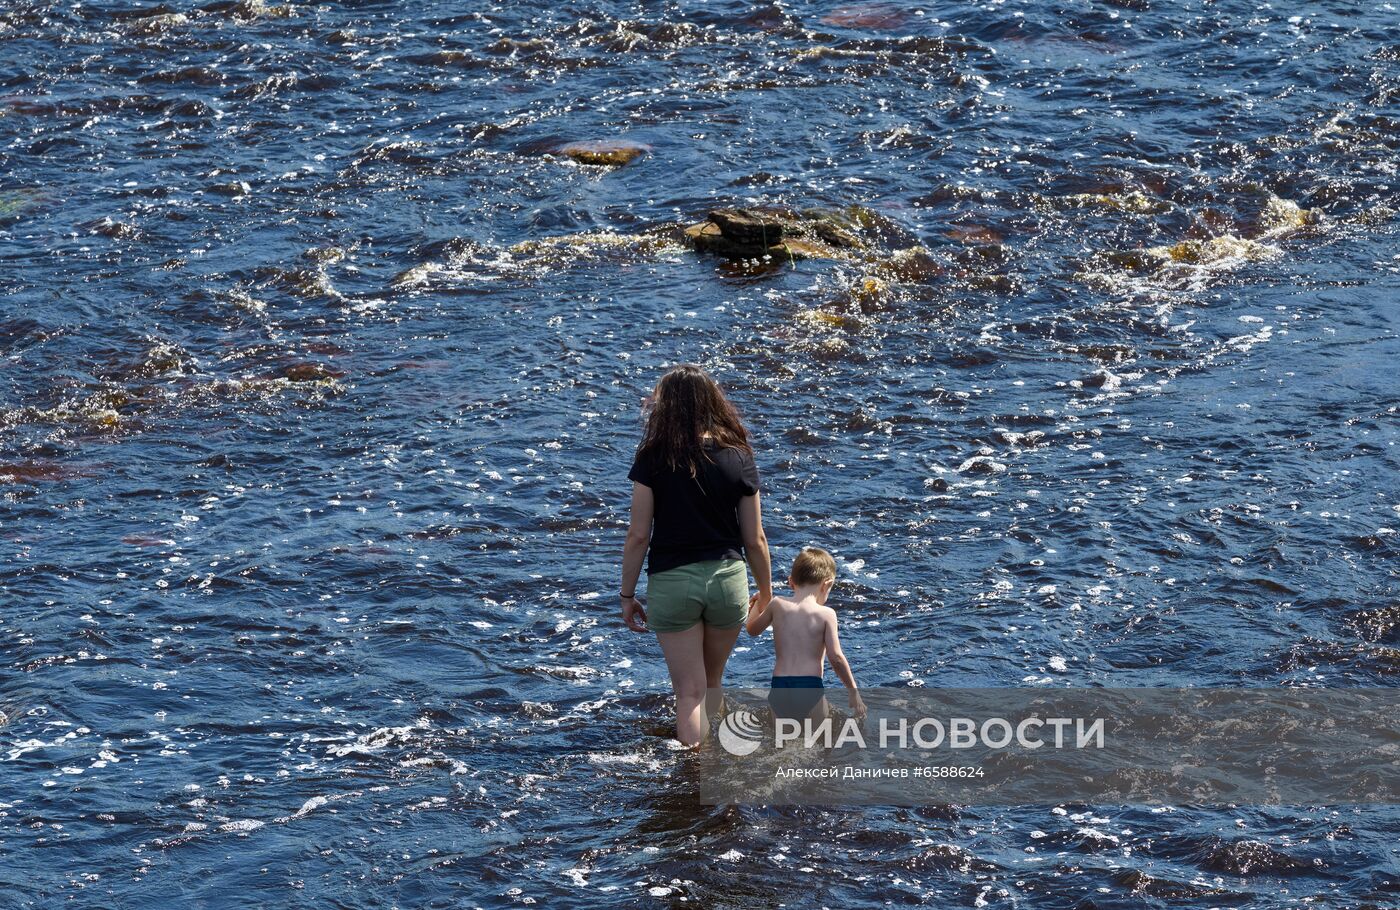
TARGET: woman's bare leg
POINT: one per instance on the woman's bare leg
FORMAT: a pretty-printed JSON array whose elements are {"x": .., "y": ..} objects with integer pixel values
[
  {"x": 686, "y": 660},
  {"x": 719, "y": 643}
]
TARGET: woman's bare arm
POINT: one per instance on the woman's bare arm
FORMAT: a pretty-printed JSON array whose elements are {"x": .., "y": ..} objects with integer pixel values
[
  {"x": 756, "y": 550},
  {"x": 633, "y": 552}
]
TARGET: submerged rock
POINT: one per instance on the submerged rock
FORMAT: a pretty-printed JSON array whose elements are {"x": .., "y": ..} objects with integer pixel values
[
  {"x": 1249, "y": 857},
  {"x": 1216, "y": 249},
  {"x": 233, "y": 188},
  {"x": 416, "y": 276},
  {"x": 1131, "y": 201},
  {"x": 15, "y": 203},
  {"x": 877, "y": 16},
  {"x": 588, "y": 244},
  {"x": 1217, "y": 240},
  {"x": 157, "y": 24},
  {"x": 910, "y": 265},
  {"x": 161, "y": 359},
  {"x": 1215, "y": 252},
  {"x": 1140, "y": 884},
  {"x": 117, "y": 230},
  {"x": 1279, "y": 216},
  {"x": 604, "y": 152},
  {"x": 1375, "y": 625},
  {"x": 246, "y": 9},
  {"x": 823, "y": 319},
  {"x": 309, "y": 372},
  {"x": 33, "y": 471},
  {"x": 835, "y": 235},
  {"x": 974, "y": 234}
]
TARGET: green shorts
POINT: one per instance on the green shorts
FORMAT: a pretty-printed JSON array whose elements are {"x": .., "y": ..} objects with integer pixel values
[{"x": 714, "y": 592}]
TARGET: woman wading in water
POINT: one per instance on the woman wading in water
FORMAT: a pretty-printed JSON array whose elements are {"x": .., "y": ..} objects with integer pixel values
[{"x": 695, "y": 516}]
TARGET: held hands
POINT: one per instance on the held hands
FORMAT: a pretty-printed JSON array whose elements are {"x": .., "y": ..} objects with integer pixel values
[
  {"x": 634, "y": 615},
  {"x": 759, "y": 601}
]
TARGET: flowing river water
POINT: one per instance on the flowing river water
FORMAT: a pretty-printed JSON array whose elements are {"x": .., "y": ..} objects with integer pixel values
[{"x": 321, "y": 372}]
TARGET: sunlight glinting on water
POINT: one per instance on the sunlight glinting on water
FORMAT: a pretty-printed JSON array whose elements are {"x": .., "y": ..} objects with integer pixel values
[{"x": 324, "y": 341}]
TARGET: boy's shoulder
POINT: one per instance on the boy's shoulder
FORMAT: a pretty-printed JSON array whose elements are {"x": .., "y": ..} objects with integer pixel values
[{"x": 780, "y": 604}]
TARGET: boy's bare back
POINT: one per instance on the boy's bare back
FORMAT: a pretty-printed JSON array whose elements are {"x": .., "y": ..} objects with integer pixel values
[{"x": 801, "y": 631}]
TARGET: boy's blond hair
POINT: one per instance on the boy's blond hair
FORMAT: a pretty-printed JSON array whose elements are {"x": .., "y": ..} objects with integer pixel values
[{"x": 812, "y": 567}]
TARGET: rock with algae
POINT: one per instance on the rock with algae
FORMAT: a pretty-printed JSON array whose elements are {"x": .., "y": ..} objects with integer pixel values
[
  {"x": 604, "y": 152},
  {"x": 1131, "y": 201},
  {"x": 1279, "y": 216},
  {"x": 1216, "y": 249},
  {"x": 1276, "y": 218},
  {"x": 14, "y": 203}
]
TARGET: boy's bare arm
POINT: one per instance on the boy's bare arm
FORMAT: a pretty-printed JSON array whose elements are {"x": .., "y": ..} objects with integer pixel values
[
  {"x": 837, "y": 657},
  {"x": 760, "y": 619}
]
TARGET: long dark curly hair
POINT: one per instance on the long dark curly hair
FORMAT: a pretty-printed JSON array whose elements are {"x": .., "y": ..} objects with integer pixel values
[{"x": 686, "y": 405}]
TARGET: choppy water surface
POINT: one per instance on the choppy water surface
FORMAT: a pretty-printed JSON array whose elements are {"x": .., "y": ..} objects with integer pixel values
[{"x": 320, "y": 388}]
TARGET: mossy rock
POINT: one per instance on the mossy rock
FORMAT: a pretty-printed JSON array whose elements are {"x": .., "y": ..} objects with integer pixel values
[
  {"x": 604, "y": 152},
  {"x": 14, "y": 203}
]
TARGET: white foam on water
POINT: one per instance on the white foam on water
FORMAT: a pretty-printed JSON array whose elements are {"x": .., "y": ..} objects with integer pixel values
[{"x": 311, "y": 805}]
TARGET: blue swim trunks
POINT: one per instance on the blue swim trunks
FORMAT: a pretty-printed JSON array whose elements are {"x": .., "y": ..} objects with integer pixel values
[{"x": 794, "y": 697}]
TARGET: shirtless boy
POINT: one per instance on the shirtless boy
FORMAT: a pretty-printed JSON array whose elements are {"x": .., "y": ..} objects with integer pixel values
[{"x": 804, "y": 636}]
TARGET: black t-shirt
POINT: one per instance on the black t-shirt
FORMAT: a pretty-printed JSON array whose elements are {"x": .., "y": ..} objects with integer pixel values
[{"x": 696, "y": 519}]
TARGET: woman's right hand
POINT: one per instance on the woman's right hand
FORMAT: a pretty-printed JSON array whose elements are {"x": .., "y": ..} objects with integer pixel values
[
  {"x": 759, "y": 601},
  {"x": 634, "y": 615}
]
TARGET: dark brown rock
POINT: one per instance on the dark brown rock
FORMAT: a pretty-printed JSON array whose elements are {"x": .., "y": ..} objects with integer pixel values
[
  {"x": 780, "y": 234},
  {"x": 748, "y": 227},
  {"x": 709, "y": 238},
  {"x": 309, "y": 372}
]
